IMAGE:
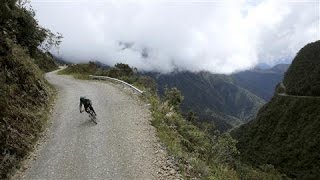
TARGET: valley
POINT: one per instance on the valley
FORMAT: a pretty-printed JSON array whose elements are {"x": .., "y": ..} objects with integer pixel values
[{"x": 226, "y": 100}]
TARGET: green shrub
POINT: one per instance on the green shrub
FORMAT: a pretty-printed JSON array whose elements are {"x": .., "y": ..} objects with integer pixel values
[
  {"x": 24, "y": 93},
  {"x": 45, "y": 61},
  {"x": 174, "y": 97},
  {"x": 201, "y": 151},
  {"x": 24, "y": 105},
  {"x": 120, "y": 71}
]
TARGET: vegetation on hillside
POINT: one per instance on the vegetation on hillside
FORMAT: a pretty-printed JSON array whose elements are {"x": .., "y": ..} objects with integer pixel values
[
  {"x": 200, "y": 150},
  {"x": 24, "y": 93},
  {"x": 120, "y": 71},
  {"x": 45, "y": 61},
  {"x": 286, "y": 130},
  {"x": 213, "y": 97},
  {"x": 302, "y": 78},
  {"x": 285, "y": 134}
]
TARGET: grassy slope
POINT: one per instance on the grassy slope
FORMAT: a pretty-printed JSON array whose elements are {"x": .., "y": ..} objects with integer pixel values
[
  {"x": 45, "y": 61},
  {"x": 80, "y": 71},
  {"x": 202, "y": 152},
  {"x": 24, "y": 106}
]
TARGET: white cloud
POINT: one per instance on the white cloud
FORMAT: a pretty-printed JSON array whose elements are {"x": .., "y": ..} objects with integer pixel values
[{"x": 217, "y": 36}]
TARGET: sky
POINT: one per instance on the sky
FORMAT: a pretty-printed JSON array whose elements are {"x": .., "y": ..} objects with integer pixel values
[{"x": 220, "y": 36}]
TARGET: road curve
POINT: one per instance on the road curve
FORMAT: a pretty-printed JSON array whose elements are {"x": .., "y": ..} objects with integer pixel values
[
  {"x": 295, "y": 96},
  {"x": 120, "y": 146}
]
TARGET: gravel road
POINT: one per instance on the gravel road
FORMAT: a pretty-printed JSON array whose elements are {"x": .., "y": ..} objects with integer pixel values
[
  {"x": 295, "y": 96},
  {"x": 123, "y": 144}
]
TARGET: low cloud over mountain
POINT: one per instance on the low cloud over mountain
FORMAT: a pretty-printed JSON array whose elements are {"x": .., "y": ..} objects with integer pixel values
[{"x": 217, "y": 36}]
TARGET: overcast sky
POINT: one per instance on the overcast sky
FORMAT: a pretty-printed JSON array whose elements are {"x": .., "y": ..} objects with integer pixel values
[{"x": 220, "y": 36}]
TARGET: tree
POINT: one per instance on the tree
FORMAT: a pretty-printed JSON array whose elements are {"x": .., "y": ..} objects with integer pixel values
[
  {"x": 125, "y": 69},
  {"x": 174, "y": 97},
  {"x": 17, "y": 22}
]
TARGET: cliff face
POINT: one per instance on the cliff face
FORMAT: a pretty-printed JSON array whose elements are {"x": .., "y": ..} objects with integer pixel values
[{"x": 286, "y": 130}]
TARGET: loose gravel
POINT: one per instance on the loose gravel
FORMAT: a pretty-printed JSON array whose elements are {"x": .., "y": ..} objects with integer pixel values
[{"x": 123, "y": 145}]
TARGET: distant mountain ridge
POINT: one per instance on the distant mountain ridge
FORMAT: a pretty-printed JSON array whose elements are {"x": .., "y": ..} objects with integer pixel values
[{"x": 261, "y": 82}]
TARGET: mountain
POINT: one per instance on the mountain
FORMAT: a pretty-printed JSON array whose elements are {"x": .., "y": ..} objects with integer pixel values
[
  {"x": 214, "y": 97},
  {"x": 261, "y": 82},
  {"x": 227, "y": 100},
  {"x": 263, "y": 66},
  {"x": 302, "y": 78},
  {"x": 286, "y": 130}
]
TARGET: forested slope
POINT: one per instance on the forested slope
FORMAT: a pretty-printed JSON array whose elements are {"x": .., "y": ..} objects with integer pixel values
[
  {"x": 286, "y": 130},
  {"x": 24, "y": 93}
]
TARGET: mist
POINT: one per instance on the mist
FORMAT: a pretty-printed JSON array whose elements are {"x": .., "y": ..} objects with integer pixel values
[{"x": 216, "y": 36}]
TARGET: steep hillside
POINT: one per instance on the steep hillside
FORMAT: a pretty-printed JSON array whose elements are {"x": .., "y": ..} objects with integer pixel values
[
  {"x": 302, "y": 78},
  {"x": 23, "y": 103},
  {"x": 45, "y": 61},
  {"x": 286, "y": 130},
  {"x": 24, "y": 93},
  {"x": 213, "y": 97},
  {"x": 261, "y": 82}
]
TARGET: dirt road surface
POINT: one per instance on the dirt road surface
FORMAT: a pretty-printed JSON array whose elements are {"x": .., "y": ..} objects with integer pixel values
[{"x": 123, "y": 144}]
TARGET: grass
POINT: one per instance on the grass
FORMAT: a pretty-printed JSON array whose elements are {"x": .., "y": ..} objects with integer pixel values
[
  {"x": 200, "y": 152},
  {"x": 25, "y": 108},
  {"x": 82, "y": 71},
  {"x": 75, "y": 75},
  {"x": 42, "y": 115}
]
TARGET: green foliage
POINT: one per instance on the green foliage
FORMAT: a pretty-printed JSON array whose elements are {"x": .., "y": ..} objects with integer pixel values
[
  {"x": 191, "y": 117},
  {"x": 174, "y": 97},
  {"x": 124, "y": 69},
  {"x": 201, "y": 151},
  {"x": 285, "y": 132},
  {"x": 45, "y": 61},
  {"x": 17, "y": 22},
  {"x": 148, "y": 83},
  {"x": 302, "y": 78},
  {"x": 24, "y": 92},
  {"x": 225, "y": 151},
  {"x": 282, "y": 137},
  {"x": 121, "y": 71},
  {"x": 81, "y": 71},
  {"x": 23, "y": 104},
  {"x": 214, "y": 97}
]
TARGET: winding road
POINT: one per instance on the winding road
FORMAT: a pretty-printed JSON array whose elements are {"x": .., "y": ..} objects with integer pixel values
[
  {"x": 123, "y": 144},
  {"x": 295, "y": 96}
]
